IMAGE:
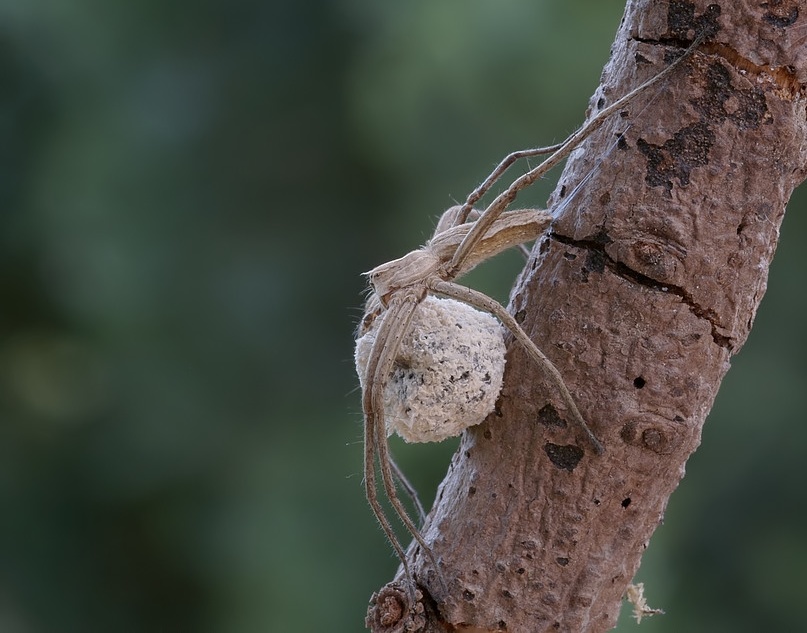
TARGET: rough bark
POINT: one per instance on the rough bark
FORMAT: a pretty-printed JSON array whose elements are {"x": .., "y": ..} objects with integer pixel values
[{"x": 645, "y": 287}]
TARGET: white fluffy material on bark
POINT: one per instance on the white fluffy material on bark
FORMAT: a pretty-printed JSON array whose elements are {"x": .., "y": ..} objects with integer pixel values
[{"x": 448, "y": 373}]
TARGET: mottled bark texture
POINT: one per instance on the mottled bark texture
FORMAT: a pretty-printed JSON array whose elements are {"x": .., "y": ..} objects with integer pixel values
[{"x": 645, "y": 287}]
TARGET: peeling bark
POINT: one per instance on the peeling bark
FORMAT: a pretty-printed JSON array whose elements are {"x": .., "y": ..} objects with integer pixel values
[{"x": 646, "y": 285}]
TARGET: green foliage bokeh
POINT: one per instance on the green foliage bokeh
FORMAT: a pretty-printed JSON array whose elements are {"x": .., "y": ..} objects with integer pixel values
[{"x": 189, "y": 195}]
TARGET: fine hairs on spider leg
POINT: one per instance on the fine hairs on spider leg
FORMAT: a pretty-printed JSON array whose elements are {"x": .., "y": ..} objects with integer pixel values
[{"x": 399, "y": 287}]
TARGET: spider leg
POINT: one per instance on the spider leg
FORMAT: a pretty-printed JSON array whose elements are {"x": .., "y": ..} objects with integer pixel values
[
  {"x": 481, "y": 301},
  {"x": 409, "y": 303},
  {"x": 467, "y": 211},
  {"x": 397, "y": 320},
  {"x": 373, "y": 417},
  {"x": 503, "y": 200},
  {"x": 408, "y": 488}
]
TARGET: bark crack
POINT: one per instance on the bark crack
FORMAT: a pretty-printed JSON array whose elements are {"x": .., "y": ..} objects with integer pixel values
[
  {"x": 682, "y": 21},
  {"x": 597, "y": 248},
  {"x": 783, "y": 76}
]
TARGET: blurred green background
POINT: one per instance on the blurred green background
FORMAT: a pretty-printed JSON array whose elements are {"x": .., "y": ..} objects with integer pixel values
[{"x": 189, "y": 193}]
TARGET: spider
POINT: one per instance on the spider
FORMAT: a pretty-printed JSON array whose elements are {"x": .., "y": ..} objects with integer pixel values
[{"x": 463, "y": 238}]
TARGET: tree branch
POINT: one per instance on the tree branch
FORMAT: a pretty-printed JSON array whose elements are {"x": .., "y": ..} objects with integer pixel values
[{"x": 645, "y": 287}]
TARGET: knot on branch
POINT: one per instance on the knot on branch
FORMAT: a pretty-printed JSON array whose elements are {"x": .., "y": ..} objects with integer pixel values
[{"x": 395, "y": 610}]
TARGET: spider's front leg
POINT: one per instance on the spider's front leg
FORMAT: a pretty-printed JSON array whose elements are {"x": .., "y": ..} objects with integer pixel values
[{"x": 466, "y": 212}]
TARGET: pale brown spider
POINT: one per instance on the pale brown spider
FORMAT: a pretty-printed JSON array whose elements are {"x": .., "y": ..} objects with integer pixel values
[{"x": 463, "y": 238}]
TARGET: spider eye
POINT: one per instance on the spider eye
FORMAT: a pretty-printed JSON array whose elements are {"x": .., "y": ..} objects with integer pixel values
[{"x": 379, "y": 281}]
